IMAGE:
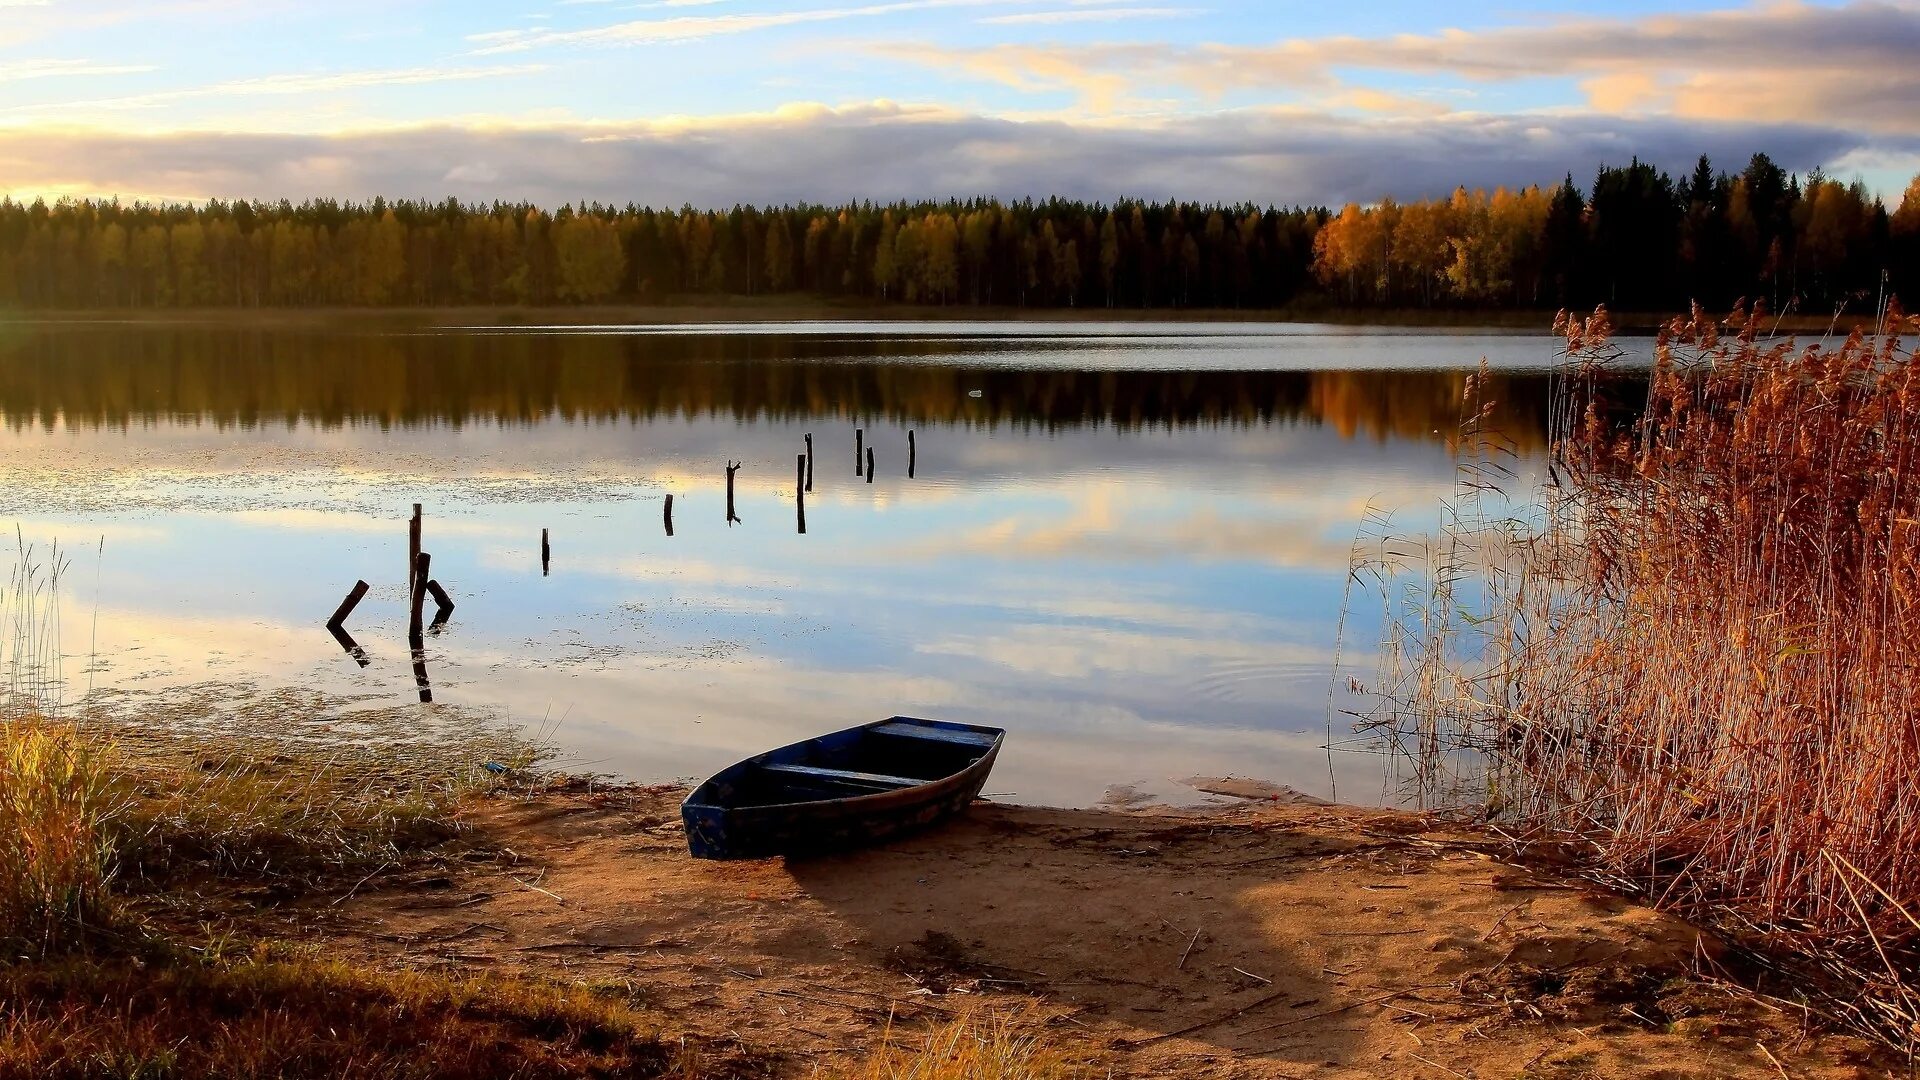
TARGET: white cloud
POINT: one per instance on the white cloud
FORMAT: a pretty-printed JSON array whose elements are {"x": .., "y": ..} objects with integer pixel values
[
  {"x": 1088, "y": 14},
  {"x": 21, "y": 70},
  {"x": 681, "y": 28},
  {"x": 287, "y": 85}
]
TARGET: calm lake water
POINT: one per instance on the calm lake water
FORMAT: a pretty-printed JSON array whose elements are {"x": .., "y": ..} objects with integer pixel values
[{"x": 1128, "y": 544}]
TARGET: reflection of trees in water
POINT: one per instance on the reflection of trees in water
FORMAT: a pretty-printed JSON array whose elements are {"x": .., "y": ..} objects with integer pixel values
[{"x": 250, "y": 378}]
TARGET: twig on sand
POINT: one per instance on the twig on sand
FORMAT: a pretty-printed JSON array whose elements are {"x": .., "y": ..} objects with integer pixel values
[
  {"x": 596, "y": 946},
  {"x": 536, "y": 888},
  {"x": 1182, "y": 965},
  {"x": 1221, "y": 1019},
  {"x": 463, "y": 933},
  {"x": 1437, "y": 1065},
  {"x": 357, "y": 884},
  {"x": 892, "y": 1003},
  {"x": 1344, "y": 1008},
  {"x": 1776, "y": 1061}
]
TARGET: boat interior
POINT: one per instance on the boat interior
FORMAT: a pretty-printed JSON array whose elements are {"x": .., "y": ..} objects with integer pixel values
[{"x": 886, "y": 757}]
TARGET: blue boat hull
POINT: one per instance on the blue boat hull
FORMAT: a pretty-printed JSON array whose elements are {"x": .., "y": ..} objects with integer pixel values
[{"x": 861, "y": 786}]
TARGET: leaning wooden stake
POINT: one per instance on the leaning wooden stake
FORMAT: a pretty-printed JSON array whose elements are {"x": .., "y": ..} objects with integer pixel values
[
  {"x": 442, "y": 603},
  {"x": 415, "y": 625},
  {"x": 346, "y": 607},
  {"x": 911, "y": 454},
  {"x": 809, "y": 484},
  {"x": 669, "y": 514},
  {"x": 800, "y": 491},
  {"x": 869, "y": 464}
]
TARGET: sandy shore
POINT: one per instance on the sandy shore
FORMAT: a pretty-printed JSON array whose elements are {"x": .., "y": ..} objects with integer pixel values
[{"x": 1258, "y": 941}]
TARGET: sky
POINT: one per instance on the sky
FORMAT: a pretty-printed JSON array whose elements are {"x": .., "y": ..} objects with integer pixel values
[{"x": 716, "y": 102}]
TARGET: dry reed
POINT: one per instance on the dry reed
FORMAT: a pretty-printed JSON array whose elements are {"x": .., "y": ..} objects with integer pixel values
[{"x": 1693, "y": 649}]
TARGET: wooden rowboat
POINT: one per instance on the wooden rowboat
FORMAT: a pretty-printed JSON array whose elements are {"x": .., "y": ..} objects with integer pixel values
[{"x": 854, "y": 787}]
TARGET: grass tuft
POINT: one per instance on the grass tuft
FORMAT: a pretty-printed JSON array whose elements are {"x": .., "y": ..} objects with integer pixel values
[
  {"x": 58, "y": 807},
  {"x": 978, "y": 1045}
]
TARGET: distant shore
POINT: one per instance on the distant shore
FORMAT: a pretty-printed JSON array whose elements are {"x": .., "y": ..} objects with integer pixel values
[{"x": 696, "y": 310}]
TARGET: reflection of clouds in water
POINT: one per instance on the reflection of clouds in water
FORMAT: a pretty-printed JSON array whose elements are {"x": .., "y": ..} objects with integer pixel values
[
  {"x": 1133, "y": 603},
  {"x": 1062, "y": 652}
]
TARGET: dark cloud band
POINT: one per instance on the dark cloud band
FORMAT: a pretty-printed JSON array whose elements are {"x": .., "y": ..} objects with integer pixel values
[{"x": 887, "y": 152}]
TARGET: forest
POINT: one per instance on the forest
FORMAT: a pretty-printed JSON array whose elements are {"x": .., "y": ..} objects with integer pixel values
[{"x": 1636, "y": 239}]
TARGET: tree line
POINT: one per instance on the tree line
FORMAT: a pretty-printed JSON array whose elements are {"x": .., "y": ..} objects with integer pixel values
[
  {"x": 228, "y": 376},
  {"x": 1636, "y": 239}
]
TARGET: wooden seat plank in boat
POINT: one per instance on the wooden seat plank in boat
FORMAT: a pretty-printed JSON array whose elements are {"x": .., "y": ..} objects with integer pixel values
[
  {"x": 915, "y": 731},
  {"x": 814, "y": 772}
]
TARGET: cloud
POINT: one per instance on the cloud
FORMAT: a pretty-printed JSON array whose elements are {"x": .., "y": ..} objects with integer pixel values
[
  {"x": 1088, "y": 14},
  {"x": 886, "y": 151},
  {"x": 286, "y": 85},
  {"x": 682, "y": 28},
  {"x": 21, "y": 70},
  {"x": 1774, "y": 63}
]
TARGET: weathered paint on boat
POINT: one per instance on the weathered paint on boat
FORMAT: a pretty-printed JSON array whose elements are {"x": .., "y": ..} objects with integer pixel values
[{"x": 864, "y": 785}]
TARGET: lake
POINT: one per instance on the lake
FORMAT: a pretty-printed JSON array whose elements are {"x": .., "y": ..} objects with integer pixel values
[{"x": 1128, "y": 543}]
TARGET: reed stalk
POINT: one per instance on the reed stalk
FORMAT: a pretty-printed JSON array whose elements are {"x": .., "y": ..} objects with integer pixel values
[{"x": 1691, "y": 644}]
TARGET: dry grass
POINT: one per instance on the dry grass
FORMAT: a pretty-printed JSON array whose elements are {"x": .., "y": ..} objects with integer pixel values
[
  {"x": 1693, "y": 649},
  {"x": 979, "y": 1045},
  {"x": 58, "y": 805},
  {"x": 291, "y": 1017}
]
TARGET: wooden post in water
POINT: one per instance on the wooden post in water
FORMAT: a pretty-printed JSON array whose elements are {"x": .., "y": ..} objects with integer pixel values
[
  {"x": 800, "y": 490},
  {"x": 869, "y": 464},
  {"x": 911, "y": 453},
  {"x": 859, "y": 439},
  {"x": 732, "y": 467},
  {"x": 346, "y": 607},
  {"x": 418, "y": 599},
  {"x": 669, "y": 514},
  {"x": 809, "y": 484},
  {"x": 442, "y": 603},
  {"x": 413, "y": 546},
  {"x": 420, "y": 675},
  {"x": 546, "y": 555}
]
